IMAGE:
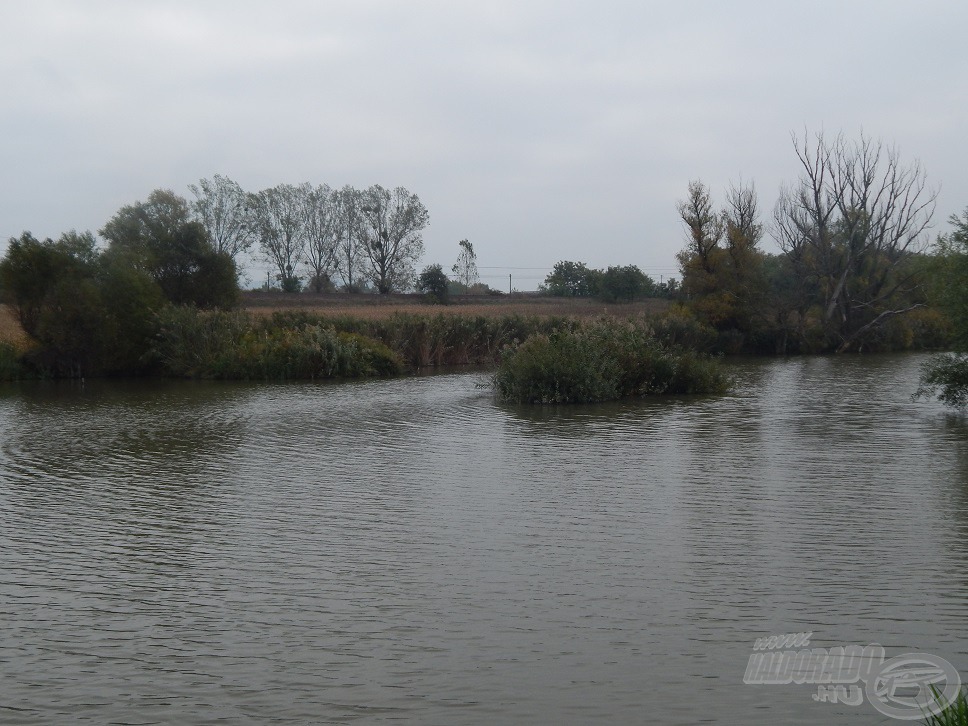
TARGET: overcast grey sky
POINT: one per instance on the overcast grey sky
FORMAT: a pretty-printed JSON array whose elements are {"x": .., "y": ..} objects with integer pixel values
[{"x": 538, "y": 130}]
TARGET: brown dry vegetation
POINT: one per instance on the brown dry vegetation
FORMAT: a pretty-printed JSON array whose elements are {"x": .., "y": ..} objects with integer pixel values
[
  {"x": 378, "y": 307},
  {"x": 10, "y": 330}
]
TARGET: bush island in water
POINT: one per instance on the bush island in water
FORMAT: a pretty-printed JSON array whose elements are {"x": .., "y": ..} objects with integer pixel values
[{"x": 602, "y": 361}]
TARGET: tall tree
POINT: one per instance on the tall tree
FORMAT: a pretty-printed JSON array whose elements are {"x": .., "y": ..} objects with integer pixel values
[
  {"x": 348, "y": 260},
  {"x": 465, "y": 269},
  {"x": 281, "y": 223},
  {"x": 703, "y": 224},
  {"x": 159, "y": 236},
  {"x": 323, "y": 232},
  {"x": 853, "y": 219},
  {"x": 223, "y": 208},
  {"x": 722, "y": 270},
  {"x": 390, "y": 227}
]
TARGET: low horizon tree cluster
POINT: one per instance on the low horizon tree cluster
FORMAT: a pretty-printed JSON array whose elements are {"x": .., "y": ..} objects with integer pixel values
[
  {"x": 317, "y": 233},
  {"x": 614, "y": 284},
  {"x": 852, "y": 235}
]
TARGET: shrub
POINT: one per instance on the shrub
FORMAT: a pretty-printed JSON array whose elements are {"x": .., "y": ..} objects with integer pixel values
[
  {"x": 601, "y": 361},
  {"x": 433, "y": 283}
]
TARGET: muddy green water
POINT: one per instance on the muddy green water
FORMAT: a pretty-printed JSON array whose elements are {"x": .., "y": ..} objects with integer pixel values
[{"x": 410, "y": 550}]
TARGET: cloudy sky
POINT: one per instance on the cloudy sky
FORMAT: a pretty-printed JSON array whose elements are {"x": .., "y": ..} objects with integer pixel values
[{"x": 538, "y": 130}]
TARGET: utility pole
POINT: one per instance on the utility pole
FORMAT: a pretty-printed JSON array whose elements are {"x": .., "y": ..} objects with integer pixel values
[{"x": 509, "y": 283}]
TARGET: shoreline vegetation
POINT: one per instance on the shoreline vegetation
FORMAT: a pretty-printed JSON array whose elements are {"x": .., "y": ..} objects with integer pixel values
[
  {"x": 543, "y": 349},
  {"x": 574, "y": 350}
]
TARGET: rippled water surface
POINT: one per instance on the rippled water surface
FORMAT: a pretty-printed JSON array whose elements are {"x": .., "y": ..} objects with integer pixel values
[{"x": 410, "y": 550}]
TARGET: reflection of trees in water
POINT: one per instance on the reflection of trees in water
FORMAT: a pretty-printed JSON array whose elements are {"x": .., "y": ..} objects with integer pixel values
[
  {"x": 956, "y": 441},
  {"x": 581, "y": 421}
]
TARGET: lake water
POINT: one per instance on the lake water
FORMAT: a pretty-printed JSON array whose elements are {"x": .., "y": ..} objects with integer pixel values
[{"x": 411, "y": 550}]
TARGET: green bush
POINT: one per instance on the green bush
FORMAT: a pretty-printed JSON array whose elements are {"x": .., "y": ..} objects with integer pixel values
[
  {"x": 433, "y": 283},
  {"x": 602, "y": 361}
]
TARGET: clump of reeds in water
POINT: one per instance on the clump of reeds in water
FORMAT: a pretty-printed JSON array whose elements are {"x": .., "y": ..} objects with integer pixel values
[
  {"x": 602, "y": 361},
  {"x": 956, "y": 714}
]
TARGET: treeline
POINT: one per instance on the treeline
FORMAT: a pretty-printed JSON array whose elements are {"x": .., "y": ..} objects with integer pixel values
[
  {"x": 157, "y": 288},
  {"x": 615, "y": 284},
  {"x": 852, "y": 274},
  {"x": 316, "y": 235}
]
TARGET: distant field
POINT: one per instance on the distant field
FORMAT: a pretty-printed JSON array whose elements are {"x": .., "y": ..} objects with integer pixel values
[
  {"x": 372, "y": 307},
  {"x": 381, "y": 306}
]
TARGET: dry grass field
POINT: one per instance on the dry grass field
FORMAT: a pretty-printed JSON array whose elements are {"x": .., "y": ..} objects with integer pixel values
[{"x": 375, "y": 307}]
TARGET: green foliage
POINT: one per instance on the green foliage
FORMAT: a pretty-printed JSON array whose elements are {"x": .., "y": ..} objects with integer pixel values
[
  {"x": 947, "y": 375},
  {"x": 679, "y": 327},
  {"x": 90, "y": 314},
  {"x": 231, "y": 345},
  {"x": 159, "y": 236},
  {"x": 433, "y": 283},
  {"x": 32, "y": 271},
  {"x": 950, "y": 275},
  {"x": 563, "y": 367},
  {"x": 290, "y": 283},
  {"x": 435, "y": 340},
  {"x": 614, "y": 285},
  {"x": 956, "y": 714},
  {"x": 572, "y": 279},
  {"x": 602, "y": 361},
  {"x": 625, "y": 284}
]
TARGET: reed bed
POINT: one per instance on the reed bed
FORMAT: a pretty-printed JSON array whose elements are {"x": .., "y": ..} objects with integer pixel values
[{"x": 603, "y": 360}]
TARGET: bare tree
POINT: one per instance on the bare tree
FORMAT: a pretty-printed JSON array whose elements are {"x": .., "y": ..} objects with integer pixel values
[
  {"x": 348, "y": 259},
  {"x": 281, "y": 223},
  {"x": 741, "y": 218},
  {"x": 703, "y": 224},
  {"x": 849, "y": 224},
  {"x": 222, "y": 208},
  {"x": 390, "y": 227},
  {"x": 465, "y": 269},
  {"x": 322, "y": 231}
]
